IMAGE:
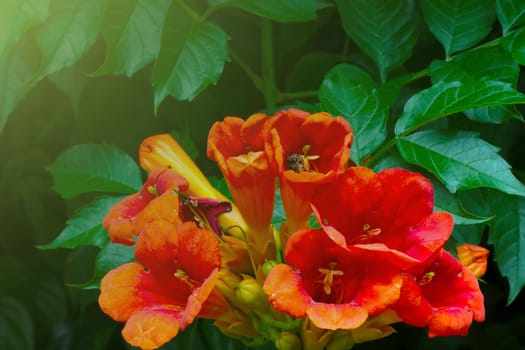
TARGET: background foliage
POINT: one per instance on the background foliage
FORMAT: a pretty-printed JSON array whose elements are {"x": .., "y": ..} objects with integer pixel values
[{"x": 430, "y": 85}]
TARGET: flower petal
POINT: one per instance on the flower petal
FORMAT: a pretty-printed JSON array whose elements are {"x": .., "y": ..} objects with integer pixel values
[
  {"x": 118, "y": 221},
  {"x": 158, "y": 245},
  {"x": 285, "y": 292},
  {"x": 163, "y": 151},
  {"x": 473, "y": 257},
  {"x": 337, "y": 316},
  {"x": 165, "y": 207},
  {"x": 429, "y": 236},
  {"x": 119, "y": 291},
  {"x": 198, "y": 252},
  {"x": 151, "y": 328}
]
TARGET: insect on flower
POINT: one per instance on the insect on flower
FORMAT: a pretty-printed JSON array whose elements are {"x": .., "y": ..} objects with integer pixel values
[{"x": 300, "y": 162}]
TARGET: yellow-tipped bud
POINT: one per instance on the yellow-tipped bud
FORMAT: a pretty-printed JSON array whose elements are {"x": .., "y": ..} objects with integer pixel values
[
  {"x": 287, "y": 341},
  {"x": 162, "y": 150}
]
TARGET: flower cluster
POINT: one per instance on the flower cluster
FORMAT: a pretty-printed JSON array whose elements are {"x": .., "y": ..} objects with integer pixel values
[{"x": 375, "y": 257}]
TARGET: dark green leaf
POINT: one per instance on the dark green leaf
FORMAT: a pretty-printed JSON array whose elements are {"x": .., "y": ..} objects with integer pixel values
[
  {"x": 515, "y": 45},
  {"x": 508, "y": 236},
  {"x": 386, "y": 30},
  {"x": 507, "y": 233},
  {"x": 109, "y": 257},
  {"x": 460, "y": 160},
  {"x": 49, "y": 302},
  {"x": 446, "y": 201},
  {"x": 72, "y": 82},
  {"x": 492, "y": 63},
  {"x": 85, "y": 227},
  {"x": 16, "y": 326},
  {"x": 72, "y": 28},
  {"x": 303, "y": 78},
  {"x": 17, "y": 16},
  {"x": 511, "y": 13},
  {"x": 494, "y": 114},
  {"x": 350, "y": 92},
  {"x": 91, "y": 167},
  {"x": 16, "y": 72},
  {"x": 277, "y": 10},
  {"x": 458, "y": 25},
  {"x": 191, "y": 57},
  {"x": 468, "y": 234},
  {"x": 132, "y": 31},
  {"x": 444, "y": 98}
]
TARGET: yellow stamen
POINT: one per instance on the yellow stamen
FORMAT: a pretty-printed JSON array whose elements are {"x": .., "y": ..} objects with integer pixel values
[
  {"x": 329, "y": 274},
  {"x": 183, "y": 276},
  {"x": 426, "y": 278},
  {"x": 370, "y": 232}
]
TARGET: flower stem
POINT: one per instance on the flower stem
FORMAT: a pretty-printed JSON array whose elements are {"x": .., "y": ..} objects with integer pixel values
[
  {"x": 255, "y": 78},
  {"x": 194, "y": 15},
  {"x": 377, "y": 155},
  {"x": 268, "y": 73},
  {"x": 298, "y": 94}
]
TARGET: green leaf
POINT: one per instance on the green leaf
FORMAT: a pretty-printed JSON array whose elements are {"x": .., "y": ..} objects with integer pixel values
[
  {"x": 350, "y": 92},
  {"x": 191, "y": 57},
  {"x": 494, "y": 114},
  {"x": 91, "y": 168},
  {"x": 458, "y": 25},
  {"x": 110, "y": 257},
  {"x": 507, "y": 232},
  {"x": 511, "y": 13},
  {"x": 492, "y": 63},
  {"x": 71, "y": 81},
  {"x": 460, "y": 160},
  {"x": 71, "y": 29},
  {"x": 277, "y": 10},
  {"x": 16, "y": 325},
  {"x": 132, "y": 31},
  {"x": 508, "y": 237},
  {"x": 16, "y": 72},
  {"x": 85, "y": 227},
  {"x": 515, "y": 45},
  {"x": 446, "y": 201},
  {"x": 16, "y": 17},
  {"x": 443, "y": 99},
  {"x": 303, "y": 78},
  {"x": 386, "y": 30}
]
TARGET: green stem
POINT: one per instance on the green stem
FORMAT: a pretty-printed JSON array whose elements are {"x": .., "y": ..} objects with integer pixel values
[
  {"x": 407, "y": 78},
  {"x": 268, "y": 73},
  {"x": 255, "y": 78},
  {"x": 377, "y": 155},
  {"x": 194, "y": 15},
  {"x": 298, "y": 94}
]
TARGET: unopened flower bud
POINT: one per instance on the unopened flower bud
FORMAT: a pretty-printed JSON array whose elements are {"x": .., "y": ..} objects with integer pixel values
[
  {"x": 250, "y": 294},
  {"x": 340, "y": 340},
  {"x": 267, "y": 266},
  {"x": 287, "y": 341}
]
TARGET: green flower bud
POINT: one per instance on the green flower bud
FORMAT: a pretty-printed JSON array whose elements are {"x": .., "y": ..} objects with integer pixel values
[
  {"x": 340, "y": 340},
  {"x": 287, "y": 341},
  {"x": 267, "y": 266},
  {"x": 251, "y": 295}
]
